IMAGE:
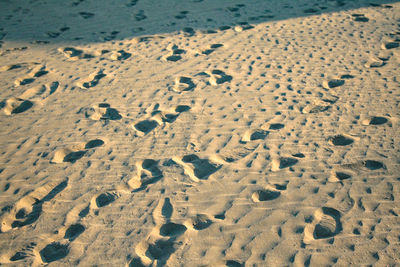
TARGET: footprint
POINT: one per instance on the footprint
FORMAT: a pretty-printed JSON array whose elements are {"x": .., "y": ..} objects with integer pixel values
[
  {"x": 159, "y": 251},
  {"x": 119, "y": 55},
  {"x": 276, "y": 126},
  {"x": 94, "y": 143},
  {"x": 196, "y": 168},
  {"x": 183, "y": 84},
  {"x": 75, "y": 152},
  {"x": 86, "y": 15},
  {"x": 365, "y": 165},
  {"x": 132, "y": 3},
  {"x": 103, "y": 199},
  {"x": 16, "y": 105},
  {"x": 22, "y": 103},
  {"x": 172, "y": 229},
  {"x": 338, "y": 176},
  {"x": 234, "y": 150},
  {"x": 265, "y": 195},
  {"x": 385, "y": 55},
  {"x": 147, "y": 172},
  {"x": 374, "y": 63},
  {"x": 360, "y": 17},
  {"x": 332, "y": 83},
  {"x": 299, "y": 155},
  {"x": 199, "y": 222},
  {"x": 188, "y": 32},
  {"x": 40, "y": 92},
  {"x": 140, "y": 15},
  {"x": 252, "y": 135},
  {"x": 163, "y": 211},
  {"x": 282, "y": 163},
  {"x": 229, "y": 263},
  {"x": 145, "y": 126},
  {"x": 390, "y": 45},
  {"x": 73, "y": 231},
  {"x": 158, "y": 118},
  {"x": 174, "y": 53},
  {"x": 54, "y": 251},
  {"x": 326, "y": 224},
  {"x": 316, "y": 107},
  {"x": 210, "y": 49},
  {"x": 373, "y": 165},
  {"x": 28, "y": 209},
  {"x": 160, "y": 244},
  {"x": 23, "y": 253},
  {"x": 375, "y": 120},
  {"x": 10, "y": 67},
  {"x": 36, "y": 72},
  {"x": 74, "y": 53},
  {"x": 243, "y": 26},
  {"x": 341, "y": 140},
  {"x": 92, "y": 80},
  {"x": 219, "y": 77},
  {"x": 102, "y": 111}
]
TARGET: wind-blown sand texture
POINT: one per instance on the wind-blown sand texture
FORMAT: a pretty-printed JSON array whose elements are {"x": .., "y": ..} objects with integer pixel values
[{"x": 199, "y": 133}]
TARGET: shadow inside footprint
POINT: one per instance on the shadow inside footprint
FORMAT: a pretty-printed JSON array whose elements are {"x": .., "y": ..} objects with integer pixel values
[
  {"x": 172, "y": 229},
  {"x": 265, "y": 195},
  {"x": 360, "y": 18},
  {"x": 232, "y": 263},
  {"x": 299, "y": 155},
  {"x": 259, "y": 135},
  {"x": 378, "y": 120},
  {"x": 94, "y": 143},
  {"x": 391, "y": 45},
  {"x": 342, "y": 175},
  {"x": 170, "y": 118},
  {"x": 187, "y": 31},
  {"x": 335, "y": 83},
  {"x": 182, "y": 108},
  {"x": 24, "y": 106},
  {"x": 122, "y": 55},
  {"x": 167, "y": 209},
  {"x": 373, "y": 165},
  {"x": 200, "y": 222},
  {"x": 74, "y": 231},
  {"x": 340, "y": 140},
  {"x": 53, "y": 252},
  {"x": 72, "y": 52},
  {"x": 74, "y": 156},
  {"x": 146, "y": 126},
  {"x": 105, "y": 199},
  {"x": 276, "y": 126},
  {"x": 287, "y": 162},
  {"x": 173, "y": 58}
]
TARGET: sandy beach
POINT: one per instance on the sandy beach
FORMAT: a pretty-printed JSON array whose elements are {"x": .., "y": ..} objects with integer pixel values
[{"x": 199, "y": 133}]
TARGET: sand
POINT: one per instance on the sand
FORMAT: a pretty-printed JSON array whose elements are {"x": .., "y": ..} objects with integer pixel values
[{"x": 199, "y": 133}]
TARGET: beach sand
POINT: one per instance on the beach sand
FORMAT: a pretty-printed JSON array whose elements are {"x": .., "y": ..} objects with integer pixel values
[{"x": 199, "y": 133}]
